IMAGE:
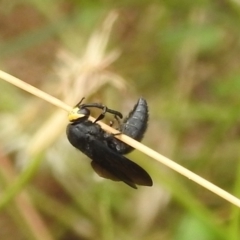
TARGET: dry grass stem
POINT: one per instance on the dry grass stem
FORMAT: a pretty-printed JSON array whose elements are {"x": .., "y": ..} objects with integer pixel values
[
  {"x": 148, "y": 151},
  {"x": 35, "y": 91}
]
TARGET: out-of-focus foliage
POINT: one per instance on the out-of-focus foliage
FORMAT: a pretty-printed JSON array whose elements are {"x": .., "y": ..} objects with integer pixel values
[{"x": 182, "y": 56}]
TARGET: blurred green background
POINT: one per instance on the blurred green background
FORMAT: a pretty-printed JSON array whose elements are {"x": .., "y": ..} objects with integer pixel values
[{"x": 183, "y": 57}]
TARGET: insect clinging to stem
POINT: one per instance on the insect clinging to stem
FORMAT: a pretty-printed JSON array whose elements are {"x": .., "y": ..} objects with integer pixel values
[{"x": 105, "y": 151}]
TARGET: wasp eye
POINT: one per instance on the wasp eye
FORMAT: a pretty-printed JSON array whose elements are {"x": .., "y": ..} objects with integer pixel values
[{"x": 84, "y": 111}]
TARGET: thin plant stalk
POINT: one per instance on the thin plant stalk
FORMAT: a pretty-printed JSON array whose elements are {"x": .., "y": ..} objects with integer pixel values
[
  {"x": 35, "y": 91},
  {"x": 137, "y": 145}
]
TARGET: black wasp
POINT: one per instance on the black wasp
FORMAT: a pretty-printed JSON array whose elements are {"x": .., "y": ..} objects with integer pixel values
[{"x": 105, "y": 150}]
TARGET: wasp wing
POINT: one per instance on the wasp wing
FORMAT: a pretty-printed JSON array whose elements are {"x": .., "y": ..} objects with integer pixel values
[{"x": 112, "y": 165}]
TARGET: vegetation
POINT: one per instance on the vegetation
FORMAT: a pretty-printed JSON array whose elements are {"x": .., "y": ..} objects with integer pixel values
[{"x": 183, "y": 57}]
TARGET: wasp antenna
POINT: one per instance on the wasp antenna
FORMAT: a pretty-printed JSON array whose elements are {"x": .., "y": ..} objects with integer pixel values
[{"x": 77, "y": 105}]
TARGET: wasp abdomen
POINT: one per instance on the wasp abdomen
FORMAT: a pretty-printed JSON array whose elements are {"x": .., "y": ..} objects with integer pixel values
[{"x": 133, "y": 126}]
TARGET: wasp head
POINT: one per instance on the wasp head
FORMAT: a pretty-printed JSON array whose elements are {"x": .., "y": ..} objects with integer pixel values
[{"x": 78, "y": 114}]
